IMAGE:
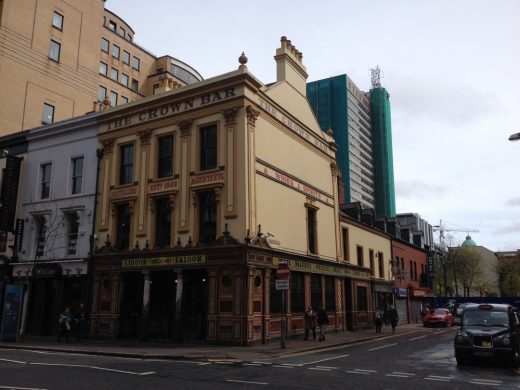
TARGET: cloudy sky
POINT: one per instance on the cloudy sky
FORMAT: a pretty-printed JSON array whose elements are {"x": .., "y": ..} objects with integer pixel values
[{"x": 450, "y": 67}]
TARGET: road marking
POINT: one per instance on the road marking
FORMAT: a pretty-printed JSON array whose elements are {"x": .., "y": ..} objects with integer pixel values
[
  {"x": 94, "y": 368},
  {"x": 417, "y": 338},
  {"x": 487, "y": 382},
  {"x": 20, "y": 388},
  {"x": 319, "y": 369},
  {"x": 263, "y": 363},
  {"x": 223, "y": 363},
  {"x": 358, "y": 372},
  {"x": 331, "y": 368},
  {"x": 383, "y": 346},
  {"x": 282, "y": 366},
  {"x": 327, "y": 359},
  {"x": 439, "y": 378},
  {"x": 398, "y": 375},
  {"x": 292, "y": 364},
  {"x": 251, "y": 383},
  {"x": 403, "y": 373},
  {"x": 252, "y": 364},
  {"x": 203, "y": 364},
  {"x": 12, "y": 361}
]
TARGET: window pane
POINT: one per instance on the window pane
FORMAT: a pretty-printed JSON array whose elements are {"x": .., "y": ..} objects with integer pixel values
[
  {"x": 48, "y": 113},
  {"x": 123, "y": 227},
  {"x": 124, "y": 79},
  {"x": 362, "y": 298},
  {"x": 73, "y": 222},
  {"x": 115, "y": 51},
  {"x": 126, "y": 57},
  {"x": 104, "y": 45},
  {"x": 121, "y": 31},
  {"x": 297, "y": 286},
  {"x": 114, "y": 74},
  {"x": 54, "y": 51},
  {"x": 123, "y": 100},
  {"x": 103, "y": 68},
  {"x": 136, "y": 63},
  {"x": 126, "y": 164},
  {"x": 135, "y": 85},
  {"x": 165, "y": 160},
  {"x": 112, "y": 25},
  {"x": 162, "y": 223},
  {"x": 113, "y": 98},
  {"x": 275, "y": 296},
  {"x": 57, "y": 20},
  {"x": 316, "y": 297},
  {"x": 102, "y": 93},
  {"x": 208, "y": 147},
  {"x": 330, "y": 294},
  {"x": 207, "y": 217},
  {"x": 77, "y": 175},
  {"x": 311, "y": 229},
  {"x": 45, "y": 173}
]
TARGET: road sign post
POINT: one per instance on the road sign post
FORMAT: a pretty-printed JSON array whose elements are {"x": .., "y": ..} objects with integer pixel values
[{"x": 283, "y": 274}]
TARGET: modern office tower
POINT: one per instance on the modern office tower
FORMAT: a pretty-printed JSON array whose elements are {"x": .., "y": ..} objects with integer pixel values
[
  {"x": 361, "y": 125},
  {"x": 59, "y": 59}
]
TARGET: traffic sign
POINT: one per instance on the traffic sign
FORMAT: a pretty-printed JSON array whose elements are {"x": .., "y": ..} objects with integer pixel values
[
  {"x": 282, "y": 284},
  {"x": 283, "y": 272}
]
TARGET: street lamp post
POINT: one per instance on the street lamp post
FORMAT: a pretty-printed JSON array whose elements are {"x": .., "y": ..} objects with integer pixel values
[{"x": 514, "y": 137}]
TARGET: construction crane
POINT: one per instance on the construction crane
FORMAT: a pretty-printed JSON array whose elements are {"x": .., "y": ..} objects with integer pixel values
[{"x": 441, "y": 229}]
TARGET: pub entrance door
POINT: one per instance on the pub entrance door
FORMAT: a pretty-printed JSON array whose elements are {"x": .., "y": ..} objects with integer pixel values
[{"x": 194, "y": 305}]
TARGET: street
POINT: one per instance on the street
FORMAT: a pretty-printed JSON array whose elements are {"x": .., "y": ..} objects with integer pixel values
[{"x": 422, "y": 359}]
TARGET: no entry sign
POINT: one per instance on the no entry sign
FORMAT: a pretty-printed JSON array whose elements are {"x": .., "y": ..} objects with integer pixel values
[{"x": 283, "y": 272}]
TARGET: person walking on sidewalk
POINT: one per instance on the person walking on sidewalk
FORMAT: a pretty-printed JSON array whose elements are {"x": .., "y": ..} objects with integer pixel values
[
  {"x": 378, "y": 319},
  {"x": 310, "y": 323},
  {"x": 65, "y": 323},
  {"x": 82, "y": 325},
  {"x": 323, "y": 320},
  {"x": 393, "y": 317}
]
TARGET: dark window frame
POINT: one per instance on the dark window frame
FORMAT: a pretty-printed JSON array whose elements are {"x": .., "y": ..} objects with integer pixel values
[
  {"x": 126, "y": 168},
  {"x": 275, "y": 296},
  {"x": 330, "y": 294},
  {"x": 77, "y": 177},
  {"x": 208, "y": 147},
  {"x": 312, "y": 229},
  {"x": 297, "y": 291},
  {"x": 102, "y": 66},
  {"x": 346, "y": 247},
  {"x": 124, "y": 225},
  {"x": 45, "y": 180},
  {"x": 208, "y": 214},
  {"x": 371, "y": 259},
  {"x": 117, "y": 49},
  {"x": 163, "y": 222},
  {"x": 126, "y": 57},
  {"x": 55, "y": 45},
  {"x": 360, "y": 254},
  {"x": 136, "y": 63},
  {"x": 104, "y": 40},
  {"x": 380, "y": 259},
  {"x": 72, "y": 233},
  {"x": 165, "y": 159},
  {"x": 60, "y": 26},
  {"x": 104, "y": 89},
  {"x": 362, "y": 298},
  {"x": 48, "y": 108}
]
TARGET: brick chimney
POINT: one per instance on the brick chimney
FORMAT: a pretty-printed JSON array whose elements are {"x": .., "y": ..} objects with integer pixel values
[{"x": 289, "y": 66}]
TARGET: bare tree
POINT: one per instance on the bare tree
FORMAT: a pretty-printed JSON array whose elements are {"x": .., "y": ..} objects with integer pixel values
[
  {"x": 468, "y": 268},
  {"x": 508, "y": 269}
]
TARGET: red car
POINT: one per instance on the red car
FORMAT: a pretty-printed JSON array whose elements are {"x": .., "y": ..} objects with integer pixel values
[{"x": 438, "y": 317}]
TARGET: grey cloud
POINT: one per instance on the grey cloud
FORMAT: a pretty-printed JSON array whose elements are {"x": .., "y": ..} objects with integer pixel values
[
  {"x": 417, "y": 189},
  {"x": 514, "y": 202},
  {"x": 509, "y": 229}
]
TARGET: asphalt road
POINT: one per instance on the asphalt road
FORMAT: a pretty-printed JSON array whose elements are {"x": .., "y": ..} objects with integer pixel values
[{"x": 421, "y": 360}]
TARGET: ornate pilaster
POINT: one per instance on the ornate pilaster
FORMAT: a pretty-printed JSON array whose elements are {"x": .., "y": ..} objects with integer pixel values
[
  {"x": 251, "y": 115},
  {"x": 104, "y": 183},
  {"x": 231, "y": 129},
  {"x": 183, "y": 214}
]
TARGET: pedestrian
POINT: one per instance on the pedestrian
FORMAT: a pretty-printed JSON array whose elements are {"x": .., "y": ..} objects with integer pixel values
[
  {"x": 310, "y": 323},
  {"x": 393, "y": 317},
  {"x": 65, "y": 323},
  {"x": 378, "y": 319},
  {"x": 323, "y": 320},
  {"x": 82, "y": 322}
]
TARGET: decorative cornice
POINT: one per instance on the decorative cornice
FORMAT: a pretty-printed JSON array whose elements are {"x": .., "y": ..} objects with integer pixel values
[
  {"x": 252, "y": 114},
  {"x": 231, "y": 116}
]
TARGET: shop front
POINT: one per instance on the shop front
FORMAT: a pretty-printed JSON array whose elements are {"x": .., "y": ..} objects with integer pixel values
[{"x": 401, "y": 304}]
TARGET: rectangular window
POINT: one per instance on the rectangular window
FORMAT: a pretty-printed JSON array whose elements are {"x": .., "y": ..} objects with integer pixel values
[
  {"x": 136, "y": 63},
  {"x": 126, "y": 57},
  {"x": 208, "y": 147},
  {"x": 297, "y": 287},
  {"x": 57, "y": 20},
  {"x": 155, "y": 88},
  {"x": 330, "y": 294},
  {"x": 102, "y": 93},
  {"x": 275, "y": 297},
  {"x": 162, "y": 223},
  {"x": 112, "y": 25},
  {"x": 414, "y": 270},
  {"x": 77, "y": 175},
  {"x": 345, "y": 244},
  {"x": 121, "y": 32},
  {"x": 41, "y": 235},
  {"x": 54, "y": 51},
  {"x": 380, "y": 259},
  {"x": 73, "y": 228},
  {"x": 104, "y": 45},
  {"x": 114, "y": 74},
  {"x": 362, "y": 298},
  {"x": 165, "y": 156},
  {"x": 113, "y": 98},
  {"x": 360, "y": 258},
  {"x": 311, "y": 230},
  {"x": 123, "y": 227},
  {"x": 207, "y": 217},
  {"x": 372, "y": 264},
  {"x": 45, "y": 174},
  {"x": 124, "y": 79},
  {"x": 48, "y": 114},
  {"x": 126, "y": 165},
  {"x": 123, "y": 100},
  {"x": 135, "y": 85},
  {"x": 103, "y": 68},
  {"x": 115, "y": 51},
  {"x": 316, "y": 291}
]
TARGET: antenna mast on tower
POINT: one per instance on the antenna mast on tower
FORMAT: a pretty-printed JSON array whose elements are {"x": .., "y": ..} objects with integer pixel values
[{"x": 376, "y": 77}]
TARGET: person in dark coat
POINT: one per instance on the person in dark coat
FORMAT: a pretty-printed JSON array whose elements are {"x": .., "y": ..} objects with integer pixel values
[
  {"x": 323, "y": 320},
  {"x": 65, "y": 324},
  {"x": 310, "y": 323},
  {"x": 82, "y": 322},
  {"x": 393, "y": 317},
  {"x": 378, "y": 319}
]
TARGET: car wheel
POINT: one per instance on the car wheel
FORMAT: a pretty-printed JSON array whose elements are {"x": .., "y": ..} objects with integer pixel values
[{"x": 460, "y": 360}]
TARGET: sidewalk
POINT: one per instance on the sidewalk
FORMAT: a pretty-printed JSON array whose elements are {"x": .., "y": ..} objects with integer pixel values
[{"x": 161, "y": 350}]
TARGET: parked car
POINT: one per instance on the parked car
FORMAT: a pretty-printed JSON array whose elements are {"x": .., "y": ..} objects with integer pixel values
[
  {"x": 438, "y": 317},
  {"x": 489, "y": 331}
]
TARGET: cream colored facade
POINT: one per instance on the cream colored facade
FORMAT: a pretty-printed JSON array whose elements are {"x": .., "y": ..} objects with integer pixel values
[{"x": 69, "y": 82}]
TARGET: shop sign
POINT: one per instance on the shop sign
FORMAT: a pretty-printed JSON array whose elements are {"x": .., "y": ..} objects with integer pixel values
[
  {"x": 18, "y": 234},
  {"x": 161, "y": 186},
  {"x": 212, "y": 178},
  {"x": 401, "y": 292},
  {"x": 47, "y": 270},
  {"x": 163, "y": 261},
  {"x": 123, "y": 192},
  {"x": 305, "y": 266},
  {"x": 419, "y": 293}
]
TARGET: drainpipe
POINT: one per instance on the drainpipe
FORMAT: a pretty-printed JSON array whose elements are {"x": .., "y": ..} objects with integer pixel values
[{"x": 99, "y": 155}]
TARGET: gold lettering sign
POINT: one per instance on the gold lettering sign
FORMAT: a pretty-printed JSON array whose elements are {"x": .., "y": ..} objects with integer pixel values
[
  {"x": 163, "y": 261},
  {"x": 304, "y": 266}
]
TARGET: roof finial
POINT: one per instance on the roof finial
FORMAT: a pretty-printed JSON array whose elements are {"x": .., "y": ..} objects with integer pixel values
[{"x": 243, "y": 61}]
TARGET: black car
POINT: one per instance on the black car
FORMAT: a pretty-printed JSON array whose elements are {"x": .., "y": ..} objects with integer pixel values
[{"x": 489, "y": 331}]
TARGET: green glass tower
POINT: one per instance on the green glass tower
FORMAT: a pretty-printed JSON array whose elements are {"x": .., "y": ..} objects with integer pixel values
[{"x": 361, "y": 123}]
